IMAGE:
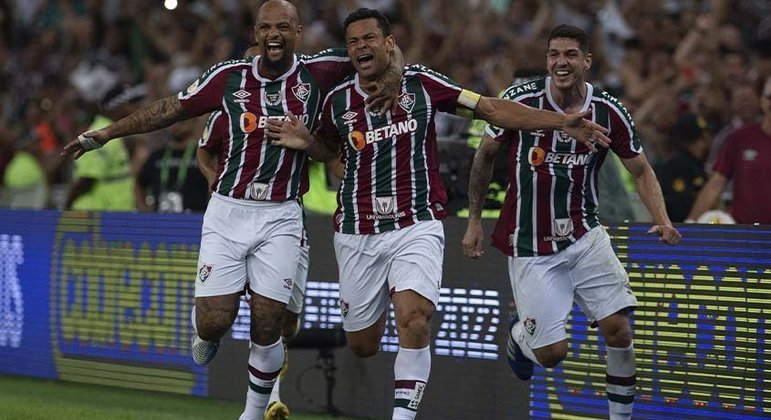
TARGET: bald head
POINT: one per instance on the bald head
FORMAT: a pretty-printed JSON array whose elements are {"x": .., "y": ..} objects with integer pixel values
[{"x": 281, "y": 8}]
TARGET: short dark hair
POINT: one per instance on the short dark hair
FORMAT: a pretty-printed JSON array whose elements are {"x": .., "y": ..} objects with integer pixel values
[
  {"x": 572, "y": 32},
  {"x": 364, "y": 13}
]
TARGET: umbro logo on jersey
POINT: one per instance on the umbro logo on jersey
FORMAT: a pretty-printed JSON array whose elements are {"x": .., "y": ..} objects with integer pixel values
[
  {"x": 241, "y": 94},
  {"x": 538, "y": 133},
  {"x": 302, "y": 91},
  {"x": 349, "y": 116}
]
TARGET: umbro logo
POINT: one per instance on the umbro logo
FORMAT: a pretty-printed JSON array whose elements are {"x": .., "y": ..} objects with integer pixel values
[
  {"x": 348, "y": 116},
  {"x": 241, "y": 96}
]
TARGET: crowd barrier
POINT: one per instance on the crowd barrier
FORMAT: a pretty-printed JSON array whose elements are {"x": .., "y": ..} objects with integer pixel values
[{"x": 105, "y": 298}]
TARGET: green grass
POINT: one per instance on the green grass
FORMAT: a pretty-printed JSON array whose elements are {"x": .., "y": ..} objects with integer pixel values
[{"x": 37, "y": 399}]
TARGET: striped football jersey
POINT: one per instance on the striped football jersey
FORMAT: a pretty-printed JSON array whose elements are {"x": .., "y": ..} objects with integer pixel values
[
  {"x": 249, "y": 166},
  {"x": 392, "y": 175},
  {"x": 552, "y": 199}
]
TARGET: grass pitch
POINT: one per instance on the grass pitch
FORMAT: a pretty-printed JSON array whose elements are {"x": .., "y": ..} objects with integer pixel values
[{"x": 38, "y": 399}]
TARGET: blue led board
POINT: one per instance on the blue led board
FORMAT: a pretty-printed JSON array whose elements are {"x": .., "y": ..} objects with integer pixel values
[{"x": 701, "y": 330}]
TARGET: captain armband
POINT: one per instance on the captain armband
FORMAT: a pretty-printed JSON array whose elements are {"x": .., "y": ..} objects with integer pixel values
[
  {"x": 467, "y": 103},
  {"x": 88, "y": 143}
]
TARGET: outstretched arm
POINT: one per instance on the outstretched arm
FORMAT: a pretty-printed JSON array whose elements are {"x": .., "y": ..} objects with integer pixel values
[
  {"x": 708, "y": 196},
  {"x": 481, "y": 174},
  {"x": 516, "y": 116},
  {"x": 157, "y": 115},
  {"x": 650, "y": 193}
]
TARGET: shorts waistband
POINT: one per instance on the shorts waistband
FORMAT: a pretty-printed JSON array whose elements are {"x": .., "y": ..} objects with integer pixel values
[{"x": 251, "y": 203}]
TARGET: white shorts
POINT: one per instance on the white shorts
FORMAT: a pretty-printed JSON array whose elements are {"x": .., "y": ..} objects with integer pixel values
[
  {"x": 255, "y": 240},
  {"x": 301, "y": 275},
  {"x": 374, "y": 266},
  {"x": 587, "y": 272}
]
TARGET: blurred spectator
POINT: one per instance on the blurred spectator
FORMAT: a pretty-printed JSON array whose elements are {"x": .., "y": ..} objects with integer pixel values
[
  {"x": 746, "y": 159},
  {"x": 745, "y": 109},
  {"x": 683, "y": 175},
  {"x": 103, "y": 180},
  {"x": 25, "y": 180},
  {"x": 170, "y": 180}
]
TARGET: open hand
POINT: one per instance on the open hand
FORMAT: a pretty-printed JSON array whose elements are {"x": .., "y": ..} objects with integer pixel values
[
  {"x": 90, "y": 140},
  {"x": 288, "y": 132},
  {"x": 585, "y": 131}
]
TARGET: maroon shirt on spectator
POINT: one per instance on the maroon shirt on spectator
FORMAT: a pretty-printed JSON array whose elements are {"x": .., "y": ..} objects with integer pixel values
[{"x": 746, "y": 158}]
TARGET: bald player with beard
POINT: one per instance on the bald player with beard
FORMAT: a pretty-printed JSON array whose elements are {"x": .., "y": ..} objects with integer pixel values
[{"x": 252, "y": 228}]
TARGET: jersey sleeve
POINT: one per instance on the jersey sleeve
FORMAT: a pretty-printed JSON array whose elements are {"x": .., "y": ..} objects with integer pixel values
[
  {"x": 623, "y": 134},
  {"x": 329, "y": 67},
  {"x": 214, "y": 133},
  {"x": 445, "y": 93},
  {"x": 205, "y": 93}
]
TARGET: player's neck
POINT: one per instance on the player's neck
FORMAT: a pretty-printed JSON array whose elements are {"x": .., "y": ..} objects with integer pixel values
[
  {"x": 273, "y": 71},
  {"x": 570, "y": 100}
]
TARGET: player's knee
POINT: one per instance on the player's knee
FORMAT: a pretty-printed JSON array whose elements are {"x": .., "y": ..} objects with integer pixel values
[
  {"x": 364, "y": 349},
  {"x": 550, "y": 356},
  {"x": 212, "y": 326},
  {"x": 415, "y": 320},
  {"x": 290, "y": 324},
  {"x": 621, "y": 337}
]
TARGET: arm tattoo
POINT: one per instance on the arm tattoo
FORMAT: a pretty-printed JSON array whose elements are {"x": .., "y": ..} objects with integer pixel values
[
  {"x": 161, "y": 113},
  {"x": 481, "y": 174}
]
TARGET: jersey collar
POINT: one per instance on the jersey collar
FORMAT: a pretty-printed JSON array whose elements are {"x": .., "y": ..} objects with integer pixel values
[
  {"x": 256, "y": 71},
  {"x": 587, "y": 100}
]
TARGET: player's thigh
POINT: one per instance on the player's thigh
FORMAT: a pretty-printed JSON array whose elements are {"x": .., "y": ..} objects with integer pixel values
[
  {"x": 543, "y": 293},
  {"x": 363, "y": 276},
  {"x": 602, "y": 284},
  {"x": 297, "y": 299},
  {"x": 418, "y": 255},
  {"x": 272, "y": 263},
  {"x": 222, "y": 254}
]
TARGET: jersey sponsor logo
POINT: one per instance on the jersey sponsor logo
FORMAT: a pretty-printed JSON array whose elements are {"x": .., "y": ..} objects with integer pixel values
[
  {"x": 538, "y": 156},
  {"x": 273, "y": 99},
  {"x": 385, "y": 209},
  {"x": 538, "y": 133},
  {"x": 561, "y": 229},
  {"x": 204, "y": 272},
  {"x": 288, "y": 284},
  {"x": 302, "y": 91},
  {"x": 407, "y": 101},
  {"x": 358, "y": 139},
  {"x": 247, "y": 122},
  {"x": 384, "y": 205},
  {"x": 263, "y": 120},
  {"x": 258, "y": 191},
  {"x": 530, "y": 325}
]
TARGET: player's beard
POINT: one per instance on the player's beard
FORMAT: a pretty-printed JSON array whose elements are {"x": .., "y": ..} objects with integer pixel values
[{"x": 277, "y": 66}]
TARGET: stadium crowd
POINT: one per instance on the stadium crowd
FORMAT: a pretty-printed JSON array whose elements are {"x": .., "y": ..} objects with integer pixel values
[{"x": 689, "y": 71}]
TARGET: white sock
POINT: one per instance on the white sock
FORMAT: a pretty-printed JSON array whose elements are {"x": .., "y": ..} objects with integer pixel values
[
  {"x": 411, "y": 370},
  {"x": 264, "y": 366},
  {"x": 517, "y": 334},
  {"x": 621, "y": 381}
]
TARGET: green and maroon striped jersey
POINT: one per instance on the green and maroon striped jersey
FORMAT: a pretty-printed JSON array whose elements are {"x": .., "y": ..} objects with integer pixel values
[
  {"x": 552, "y": 199},
  {"x": 249, "y": 166},
  {"x": 391, "y": 163}
]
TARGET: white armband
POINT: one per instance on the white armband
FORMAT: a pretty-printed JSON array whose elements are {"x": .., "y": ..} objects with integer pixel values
[{"x": 88, "y": 143}]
